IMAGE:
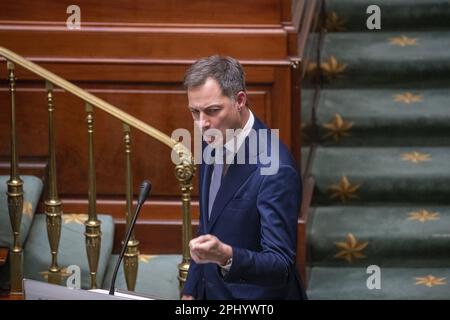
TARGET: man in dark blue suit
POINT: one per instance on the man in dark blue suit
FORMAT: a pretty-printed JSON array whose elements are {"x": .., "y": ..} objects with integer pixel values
[{"x": 250, "y": 194}]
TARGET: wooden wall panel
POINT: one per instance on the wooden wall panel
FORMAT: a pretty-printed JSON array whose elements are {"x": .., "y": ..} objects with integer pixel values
[
  {"x": 149, "y": 91},
  {"x": 134, "y": 54},
  {"x": 163, "y": 237},
  {"x": 163, "y": 109},
  {"x": 137, "y": 72},
  {"x": 155, "y": 236},
  {"x": 144, "y": 43},
  {"x": 167, "y": 209},
  {"x": 35, "y": 166},
  {"x": 234, "y": 12}
]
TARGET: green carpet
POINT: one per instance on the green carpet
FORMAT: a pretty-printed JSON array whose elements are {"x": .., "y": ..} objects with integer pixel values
[
  {"x": 396, "y": 283},
  {"x": 379, "y": 174},
  {"x": 395, "y": 14},
  {"x": 388, "y": 59},
  {"x": 382, "y": 164},
  {"x": 385, "y": 117},
  {"x": 394, "y": 236}
]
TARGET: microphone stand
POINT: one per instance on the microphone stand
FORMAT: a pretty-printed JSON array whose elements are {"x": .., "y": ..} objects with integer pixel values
[{"x": 145, "y": 190}]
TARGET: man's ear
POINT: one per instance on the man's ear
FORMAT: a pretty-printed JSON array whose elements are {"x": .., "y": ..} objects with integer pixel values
[{"x": 241, "y": 99}]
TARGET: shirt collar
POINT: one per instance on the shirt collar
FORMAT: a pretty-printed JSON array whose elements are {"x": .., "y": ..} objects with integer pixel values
[{"x": 240, "y": 137}]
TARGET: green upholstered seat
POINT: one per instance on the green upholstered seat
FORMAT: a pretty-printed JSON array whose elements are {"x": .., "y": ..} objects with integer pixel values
[
  {"x": 157, "y": 276},
  {"x": 72, "y": 249},
  {"x": 32, "y": 187}
]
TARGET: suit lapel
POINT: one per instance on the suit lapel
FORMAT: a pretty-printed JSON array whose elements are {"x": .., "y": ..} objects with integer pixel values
[
  {"x": 206, "y": 181},
  {"x": 235, "y": 177}
]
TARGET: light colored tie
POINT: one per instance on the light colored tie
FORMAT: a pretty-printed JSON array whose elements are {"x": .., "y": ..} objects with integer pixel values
[{"x": 216, "y": 180}]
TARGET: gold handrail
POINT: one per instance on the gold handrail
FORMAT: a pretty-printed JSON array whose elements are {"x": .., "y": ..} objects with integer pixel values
[
  {"x": 184, "y": 169},
  {"x": 89, "y": 98}
]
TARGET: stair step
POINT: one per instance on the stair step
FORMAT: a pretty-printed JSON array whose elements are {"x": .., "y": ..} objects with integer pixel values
[
  {"x": 382, "y": 170},
  {"x": 371, "y": 59},
  {"x": 72, "y": 248},
  {"x": 32, "y": 187},
  {"x": 388, "y": 236},
  {"x": 157, "y": 276},
  {"x": 396, "y": 283},
  {"x": 389, "y": 174},
  {"x": 386, "y": 117},
  {"x": 395, "y": 15}
]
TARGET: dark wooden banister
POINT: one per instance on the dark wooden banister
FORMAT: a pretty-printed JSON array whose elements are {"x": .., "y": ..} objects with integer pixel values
[
  {"x": 3, "y": 255},
  {"x": 308, "y": 189}
]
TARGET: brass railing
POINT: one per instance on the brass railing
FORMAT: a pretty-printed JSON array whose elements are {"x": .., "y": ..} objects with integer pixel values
[{"x": 184, "y": 171}]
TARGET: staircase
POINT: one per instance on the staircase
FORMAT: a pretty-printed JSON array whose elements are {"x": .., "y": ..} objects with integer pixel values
[{"x": 382, "y": 165}]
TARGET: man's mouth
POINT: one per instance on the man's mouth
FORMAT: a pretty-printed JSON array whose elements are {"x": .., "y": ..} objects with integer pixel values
[{"x": 208, "y": 138}]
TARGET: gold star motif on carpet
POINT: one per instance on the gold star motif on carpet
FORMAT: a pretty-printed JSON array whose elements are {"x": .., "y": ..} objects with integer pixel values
[
  {"x": 344, "y": 190},
  {"x": 416, "y": 157},
  {"x": 350, "y": 249},
  {"x": 308, "y": 132},
  {"x": 430, "y": 281},
  {"x": 408, "y": 97},
  {"x": 63, "y": 272},
  {"x": 312, "y": 72},
  {"x": 331, "y": 69},
  {"x": 145, "y": 258},
  {"x": 27, "y": 209},
  {"x": 334, "y": 23},
  {"x": 75, "y": 218},
  {"x": 338, "y": 128},
  {"x": 403, "y": 41},
  {"x": 423, "y": 215}
]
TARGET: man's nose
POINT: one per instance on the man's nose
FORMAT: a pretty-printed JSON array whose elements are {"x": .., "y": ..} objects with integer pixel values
[{"x": 203, "y": 121}]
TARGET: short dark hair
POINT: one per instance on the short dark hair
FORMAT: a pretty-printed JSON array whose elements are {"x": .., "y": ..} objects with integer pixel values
[{"x": 227, "y": 71}]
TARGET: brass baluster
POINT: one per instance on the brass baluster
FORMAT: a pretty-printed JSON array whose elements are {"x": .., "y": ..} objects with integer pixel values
[
  {"x": 15, "y": 195},
  {"x": 184, "y": 172},
  {"x": 93, "y": 232},
  {"x": 52, "y": 203},
  {"x": 131, "y": 259}
]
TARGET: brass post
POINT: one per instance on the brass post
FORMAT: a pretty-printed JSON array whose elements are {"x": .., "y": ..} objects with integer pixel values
[
  {"x": 15, "y": 195},
  {"x": 184, "y": 172},
  {"x": 52, "y": 203},
  {"x": 131, "y": 259},
  {"x": 93, "y": 232}
]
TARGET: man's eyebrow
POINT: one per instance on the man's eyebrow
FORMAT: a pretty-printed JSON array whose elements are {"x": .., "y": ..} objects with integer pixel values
[{"x": 215, "y": 105}]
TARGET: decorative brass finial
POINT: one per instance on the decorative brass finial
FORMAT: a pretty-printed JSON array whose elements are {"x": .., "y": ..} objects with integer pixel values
[{"x": 184, "y": 171}]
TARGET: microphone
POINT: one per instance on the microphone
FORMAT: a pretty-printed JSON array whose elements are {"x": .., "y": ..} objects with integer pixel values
[{"x": 143, "y": 194}]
